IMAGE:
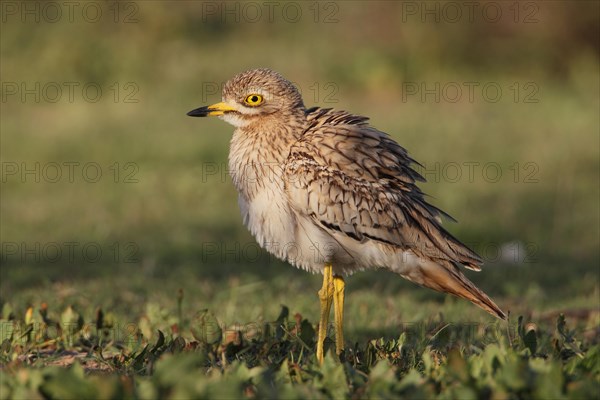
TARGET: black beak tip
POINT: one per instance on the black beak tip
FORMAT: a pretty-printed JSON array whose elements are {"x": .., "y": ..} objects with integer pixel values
[{"x": 199, "y": 112}]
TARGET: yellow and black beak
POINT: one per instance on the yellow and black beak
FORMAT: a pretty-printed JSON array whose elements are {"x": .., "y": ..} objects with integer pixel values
[{"x": 209, "y": 111}]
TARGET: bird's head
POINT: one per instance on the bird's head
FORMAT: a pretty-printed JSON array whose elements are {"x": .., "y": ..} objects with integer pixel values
[{"x": 253, "y": 95}]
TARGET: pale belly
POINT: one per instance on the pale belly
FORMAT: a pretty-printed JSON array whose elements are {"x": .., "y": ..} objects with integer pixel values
[
  {"x": 270, "y": 221},
  {"x": 277, "y": 229},
  {"x": 290, "y": 238},
  {"x": 305, "y": 245}
]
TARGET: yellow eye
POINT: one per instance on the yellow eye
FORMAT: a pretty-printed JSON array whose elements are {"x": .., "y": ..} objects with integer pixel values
[{"x": 253, "y": 100}]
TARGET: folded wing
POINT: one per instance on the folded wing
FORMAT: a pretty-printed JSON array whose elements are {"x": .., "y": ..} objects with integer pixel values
[{"x": 349, "y": 177}]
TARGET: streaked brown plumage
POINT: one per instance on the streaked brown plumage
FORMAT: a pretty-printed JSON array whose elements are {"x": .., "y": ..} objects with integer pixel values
[{"x": 327, "y": 192}]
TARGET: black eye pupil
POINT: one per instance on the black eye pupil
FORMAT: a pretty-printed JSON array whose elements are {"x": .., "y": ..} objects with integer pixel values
[{"x": 254, "y": 99}]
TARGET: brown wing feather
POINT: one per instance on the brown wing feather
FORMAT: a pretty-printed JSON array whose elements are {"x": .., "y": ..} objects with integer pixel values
[{"x": 359, "y": 181}]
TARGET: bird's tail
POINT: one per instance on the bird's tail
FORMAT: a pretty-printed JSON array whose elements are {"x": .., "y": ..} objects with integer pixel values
[{"x": 449, "y": 279}]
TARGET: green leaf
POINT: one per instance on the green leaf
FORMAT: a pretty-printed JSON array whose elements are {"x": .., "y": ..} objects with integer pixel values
[
  {"x": 530, "y": 339},
  {"x": 457, "y": 365},
  {"x": 70, "y": 383},
  {"x": 205, "y": 328}
]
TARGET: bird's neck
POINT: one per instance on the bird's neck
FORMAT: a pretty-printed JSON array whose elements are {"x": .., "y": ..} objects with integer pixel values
[
  {"x": 258, "y": 151},
  {"x": 270, "y": 139}
]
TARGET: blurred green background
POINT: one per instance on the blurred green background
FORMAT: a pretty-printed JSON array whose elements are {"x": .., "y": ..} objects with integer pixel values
[{"x": 163, "y": 212}]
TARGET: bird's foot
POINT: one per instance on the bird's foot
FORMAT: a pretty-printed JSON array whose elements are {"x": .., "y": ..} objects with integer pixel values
[
  {"x": 331, "y": 292},
  {"x": 326, "y": 295},
  {"x": 338, "y": 309}
]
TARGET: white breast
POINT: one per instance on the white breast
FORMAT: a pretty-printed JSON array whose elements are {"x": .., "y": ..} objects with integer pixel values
[
  {"x": 268, "y": 218},
  {"x": 257, "y": 176}
]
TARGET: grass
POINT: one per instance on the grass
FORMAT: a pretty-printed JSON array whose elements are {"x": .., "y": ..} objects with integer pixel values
[
  {"x": 174, "y": 348},
  {"x": 182, "y": 303}
]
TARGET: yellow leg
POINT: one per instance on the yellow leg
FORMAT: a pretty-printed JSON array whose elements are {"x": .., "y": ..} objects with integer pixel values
[
  {"x": 326, "y": 297},
  {"x": 338, "y": 309}
]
